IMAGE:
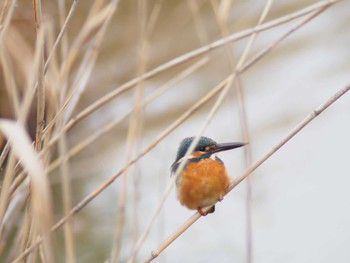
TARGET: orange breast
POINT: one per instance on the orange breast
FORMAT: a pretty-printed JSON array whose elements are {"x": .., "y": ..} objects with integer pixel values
[{"x": 202, "y": 183}]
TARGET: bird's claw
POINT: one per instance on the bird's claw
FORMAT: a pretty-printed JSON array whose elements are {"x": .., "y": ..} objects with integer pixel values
[{"x": 201, "y": 212}]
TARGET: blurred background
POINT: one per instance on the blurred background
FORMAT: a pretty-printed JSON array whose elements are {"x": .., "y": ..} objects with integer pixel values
[{"x": 299, "y": 197}]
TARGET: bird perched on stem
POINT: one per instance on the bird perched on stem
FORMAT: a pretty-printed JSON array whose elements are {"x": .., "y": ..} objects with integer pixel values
[{"x": 203, "y": 180}]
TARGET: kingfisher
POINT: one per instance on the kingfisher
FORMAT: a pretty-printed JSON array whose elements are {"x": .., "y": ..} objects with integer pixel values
[{"x": 203, "y": 180}]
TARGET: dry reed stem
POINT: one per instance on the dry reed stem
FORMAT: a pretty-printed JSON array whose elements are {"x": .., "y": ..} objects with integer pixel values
[
  {"x": 200, "y": 28},
  {"x": 248, "y": 160},
  {"x": 255, "y": 165},
  {"x": 80, "y": 84},
  {"x": 184, "y": 58},
  {"x": 67, "y": 203},
  {"x": 153, "y": 18},
  {"x": 40, "y": 116},
  {"x": 193, "y": 8},
  {"x": 245, "y": 132},
  {"x": 10, "y": 83},
  {"x": 39, "y": 221},
  {"x": 221, "y": 12},
  {"x": 120, "y": 217},
  {"x": 62, "y": 38},
  {"x": 3, "y": 30},
  {"x": 221, "y": 17},
  {"x": 61, "y": 33},
  {"x": 17, "y": 181},
  {"x": 3, "y": 10},
  {"x": 145, "y": 30},
  {"x": 12, "y": 218},
  {"x": 21, "y": 236},
  {"x": 4, "y": 153},
  {"x": 138, "y": 116},
  {"x": 5, "y": 193},
  {"x": 151, "y": 221},
  {"x": 5, "y": 26},
  {"x": 41, "y": 204},
  {"x": 134, "y": 133}
]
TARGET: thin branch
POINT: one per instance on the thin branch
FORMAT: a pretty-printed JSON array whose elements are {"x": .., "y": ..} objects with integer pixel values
[
  {"x": 245, "y": 132},
  {"x": 3, "y": 30},
  {"x": 5, "y": 26},
  {"x": 40, "y": 116},
  {"x": 202, "y": 35},
  {"x": 134, "y": 132},
  {"x": 5, "y": 193},
  {"x": 10, "y": 82},
  {"x": 62, "y": 31},
  {"x": 151, "y": 221},
  {"x": 67, "y": 202}
]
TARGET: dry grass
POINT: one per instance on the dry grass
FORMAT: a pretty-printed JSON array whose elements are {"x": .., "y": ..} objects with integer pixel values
[{"x": 56, "y": 94}]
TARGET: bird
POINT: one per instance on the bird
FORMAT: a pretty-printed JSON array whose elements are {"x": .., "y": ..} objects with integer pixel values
[{"x": 203, "y": 180}]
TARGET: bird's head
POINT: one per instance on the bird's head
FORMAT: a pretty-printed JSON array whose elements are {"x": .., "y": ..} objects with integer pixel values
[{"x": 205, "y": 148}]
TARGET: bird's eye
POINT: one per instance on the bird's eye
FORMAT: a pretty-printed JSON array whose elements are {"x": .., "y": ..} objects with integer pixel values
[{"x": 202, "y": 148}]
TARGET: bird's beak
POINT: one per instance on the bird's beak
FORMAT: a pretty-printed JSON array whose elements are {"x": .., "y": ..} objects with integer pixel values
[{"x": 220, "y": 147}]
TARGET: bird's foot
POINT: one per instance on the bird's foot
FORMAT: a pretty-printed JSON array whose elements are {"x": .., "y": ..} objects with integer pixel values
[{"x": 201, "y": 212}]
